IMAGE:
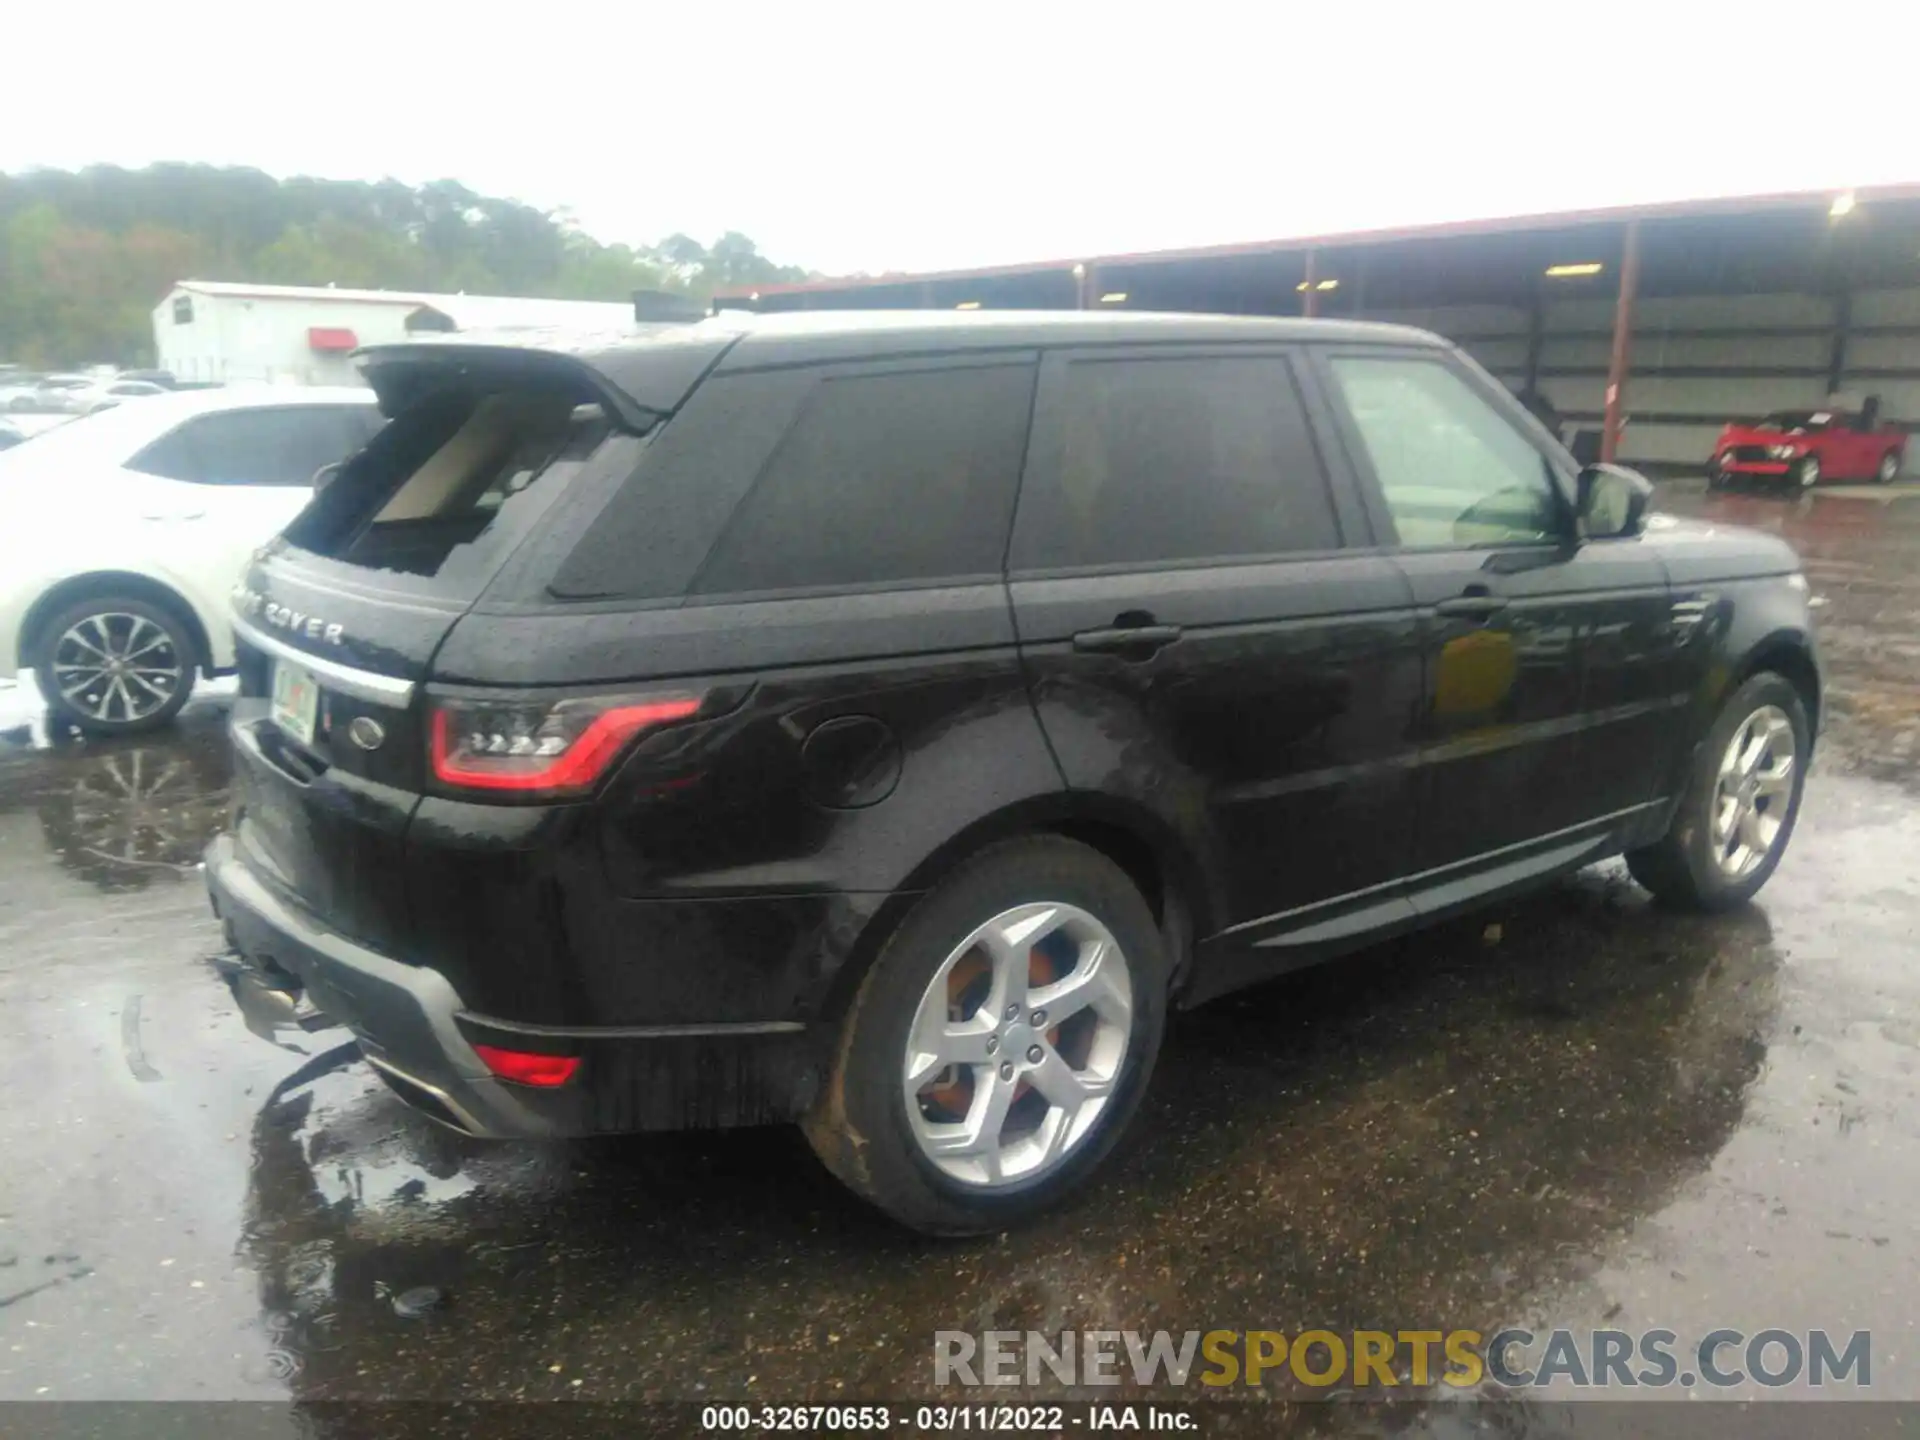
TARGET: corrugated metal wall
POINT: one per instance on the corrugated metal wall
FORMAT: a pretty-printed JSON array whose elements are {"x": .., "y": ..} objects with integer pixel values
[{"x": 1698, "y": 361}]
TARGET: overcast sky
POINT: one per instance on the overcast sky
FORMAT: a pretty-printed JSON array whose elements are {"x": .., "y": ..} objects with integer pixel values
[{"x": 850, "y": 137}]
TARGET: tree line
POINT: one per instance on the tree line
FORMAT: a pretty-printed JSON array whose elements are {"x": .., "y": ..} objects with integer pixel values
[{"x": 86, "y": 255}]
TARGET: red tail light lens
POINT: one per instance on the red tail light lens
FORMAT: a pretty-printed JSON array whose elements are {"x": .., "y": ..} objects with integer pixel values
[
  {"x": 552, "y": 748},
  {"x": 523, "y": 1067}
]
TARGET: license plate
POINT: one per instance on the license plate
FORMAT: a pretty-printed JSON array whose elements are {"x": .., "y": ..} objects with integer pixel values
[{"x": 296, "y": 701}]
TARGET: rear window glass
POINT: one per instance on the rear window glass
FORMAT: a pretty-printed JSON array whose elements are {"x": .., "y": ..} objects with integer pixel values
[
  {"x": 888, "y": 477},
  {"x": 453, "y": 481}
]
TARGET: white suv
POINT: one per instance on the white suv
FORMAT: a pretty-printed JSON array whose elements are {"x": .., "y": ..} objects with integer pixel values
[{"x": 122, "y": 533}]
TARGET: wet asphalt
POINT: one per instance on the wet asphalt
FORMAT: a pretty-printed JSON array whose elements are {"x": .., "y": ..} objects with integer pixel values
[{"x": 1574, "y": 1110}]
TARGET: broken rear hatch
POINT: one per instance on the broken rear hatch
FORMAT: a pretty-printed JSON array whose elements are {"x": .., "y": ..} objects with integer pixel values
[{"x": 338, "y": 620}]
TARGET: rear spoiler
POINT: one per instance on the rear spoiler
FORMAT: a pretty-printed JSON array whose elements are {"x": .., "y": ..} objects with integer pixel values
[{"x": 639, "y": 379}]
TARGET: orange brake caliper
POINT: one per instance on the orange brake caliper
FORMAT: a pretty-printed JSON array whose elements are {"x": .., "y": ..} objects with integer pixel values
[{"x": 955, "y": 1095}]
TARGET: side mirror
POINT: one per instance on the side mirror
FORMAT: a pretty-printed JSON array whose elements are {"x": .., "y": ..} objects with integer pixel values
[
  {"x": 325, "y": 476},
  {"x": 1613, "y": 501}
]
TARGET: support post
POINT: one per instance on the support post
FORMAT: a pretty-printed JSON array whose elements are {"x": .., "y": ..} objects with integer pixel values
[
  {"x": 1837, "y": 360},
  {"x": 1084, "y": 279},
  {"x": 1622, "y": 356},
  {"x": 1536, "y": 339},
  {"x": 1310, "y": 301}
]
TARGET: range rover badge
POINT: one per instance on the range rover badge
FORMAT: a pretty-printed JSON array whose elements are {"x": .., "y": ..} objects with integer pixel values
[{"x": 366, "y": 732}]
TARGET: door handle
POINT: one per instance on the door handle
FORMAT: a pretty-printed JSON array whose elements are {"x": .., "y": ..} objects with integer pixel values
[
  {"x": 1476, "y": 607},
  {"x": 1145, "y": 639}
]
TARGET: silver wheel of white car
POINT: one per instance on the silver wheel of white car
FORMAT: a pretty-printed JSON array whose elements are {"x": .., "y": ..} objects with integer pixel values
[{"x": 115, "y": 665}]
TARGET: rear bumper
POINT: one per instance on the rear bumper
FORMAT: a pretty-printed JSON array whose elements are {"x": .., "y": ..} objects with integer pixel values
[
  {"x": 414, "y": 1029},
  {"x": 402, "y": 1015}
]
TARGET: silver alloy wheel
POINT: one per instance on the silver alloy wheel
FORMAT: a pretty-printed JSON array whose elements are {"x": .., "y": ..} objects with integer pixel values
[
  {"x": 1809, "y": 472},
  {"x": 1889, "y": 467},
  {"x": 1018, "y": 1045},
  {"x": 1753, "y": 792},
  {"x": 117, "y": 668}
]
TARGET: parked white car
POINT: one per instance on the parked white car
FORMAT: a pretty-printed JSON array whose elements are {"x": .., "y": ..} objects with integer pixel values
[
  {"x": 109, "y": 393},
  {"x": 125, "y": 531},
  {"x": 50, "y": 394}
]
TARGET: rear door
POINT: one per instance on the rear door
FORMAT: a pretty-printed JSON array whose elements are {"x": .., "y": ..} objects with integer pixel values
[
  {"x": 1548, "y": 707},
  {"x": 1207, "y": 636}
]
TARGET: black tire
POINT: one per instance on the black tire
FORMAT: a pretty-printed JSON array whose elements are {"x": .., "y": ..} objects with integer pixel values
[
  {"x": 859, "y": 1127},
  {"x": 178, "y": 650},
  {"x": 1805, "y": 475},
  {"x": 1682, "y": 868},
  {"x": 1888, "y": 470}
]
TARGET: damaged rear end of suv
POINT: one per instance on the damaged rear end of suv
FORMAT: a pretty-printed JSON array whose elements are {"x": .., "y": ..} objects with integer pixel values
[{"x": 409, "y": 853}]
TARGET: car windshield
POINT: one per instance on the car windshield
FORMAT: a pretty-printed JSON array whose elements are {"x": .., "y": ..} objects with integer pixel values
[{"x": 1796, "y": 422}]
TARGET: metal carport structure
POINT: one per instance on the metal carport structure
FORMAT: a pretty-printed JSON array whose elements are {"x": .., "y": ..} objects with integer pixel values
[{"x": 1644, "y": 327}]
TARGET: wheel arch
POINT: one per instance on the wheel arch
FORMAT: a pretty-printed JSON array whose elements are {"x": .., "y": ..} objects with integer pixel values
[
  {"x": 1789, "y": 655},
  {"x": 1151, "y": 855},
  {"x": 110, "y": 582}
]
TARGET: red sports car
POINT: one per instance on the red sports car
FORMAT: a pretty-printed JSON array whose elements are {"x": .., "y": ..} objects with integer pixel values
[{"x": 1804, "y": 447}]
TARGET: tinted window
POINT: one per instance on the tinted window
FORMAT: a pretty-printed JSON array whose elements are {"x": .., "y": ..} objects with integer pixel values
[
  {"x": 649, "y": 537},
  {"x": 908, "y": 475},
  {"x": 1178, "y": 459},
  {"x": 258, "y": 447},
  {"x": 1453, "y": 470}
]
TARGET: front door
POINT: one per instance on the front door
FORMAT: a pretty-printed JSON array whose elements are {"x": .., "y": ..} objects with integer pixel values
[
  {"x": 1199, "y": 643},
  {"x": 1547, "y": 708}
]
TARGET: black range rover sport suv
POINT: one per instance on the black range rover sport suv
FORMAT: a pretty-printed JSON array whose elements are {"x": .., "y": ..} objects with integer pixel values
[{"x": 882, "y": 721}]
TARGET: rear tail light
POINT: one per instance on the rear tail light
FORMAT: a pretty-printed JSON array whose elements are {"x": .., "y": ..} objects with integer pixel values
[
  {"x": 524, "y": 1067},
  {"x": 558, "y": 747}
]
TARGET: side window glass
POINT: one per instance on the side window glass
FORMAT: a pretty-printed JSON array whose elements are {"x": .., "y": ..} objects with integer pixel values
[
  {"x": 254, "y": 447},
  {"x": 1174, "y": 460},
  {"x": 898, "y": 476},
  {"x": 1453, "y": 471},
  {"x": 363, "y": 423},
  {"x": 174, "y": 456}
]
